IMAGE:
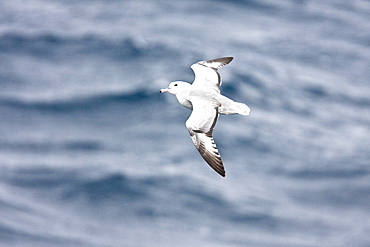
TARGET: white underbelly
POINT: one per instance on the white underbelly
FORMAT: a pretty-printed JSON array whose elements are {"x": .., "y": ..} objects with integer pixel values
[{"x": 185, "y": 103}]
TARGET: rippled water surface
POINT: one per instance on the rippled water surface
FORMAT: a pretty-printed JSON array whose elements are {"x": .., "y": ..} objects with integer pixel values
[{"x": 92, "y": 155}]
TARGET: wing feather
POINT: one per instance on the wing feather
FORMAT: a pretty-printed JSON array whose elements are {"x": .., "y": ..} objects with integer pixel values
[
  {"x": 206, "y": 73},
  {"x": 200, "y": 126}
]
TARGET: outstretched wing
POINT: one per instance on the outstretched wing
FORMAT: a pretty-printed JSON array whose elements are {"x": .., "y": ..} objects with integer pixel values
[
  {"x": 200, "y": 126},
  {"x": 206, "y": 73}
]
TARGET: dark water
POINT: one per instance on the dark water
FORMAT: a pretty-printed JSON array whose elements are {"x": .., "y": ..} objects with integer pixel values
[{"x": 92, "y": 155}]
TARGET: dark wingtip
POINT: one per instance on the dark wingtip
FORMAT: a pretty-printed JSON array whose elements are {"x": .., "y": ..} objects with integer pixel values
[
  {"x": 226, "y": 60},
  {"x": 222, "y": 173},
  {"x": 219, "y": 170},
  {"x": 229, "y": 58}
]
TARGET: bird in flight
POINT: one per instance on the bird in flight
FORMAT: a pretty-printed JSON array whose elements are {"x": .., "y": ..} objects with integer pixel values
[{"x": 203, "y": 96}]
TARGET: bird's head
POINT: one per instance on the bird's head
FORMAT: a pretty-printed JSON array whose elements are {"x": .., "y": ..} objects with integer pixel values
[{"x": 175, "y": 87}]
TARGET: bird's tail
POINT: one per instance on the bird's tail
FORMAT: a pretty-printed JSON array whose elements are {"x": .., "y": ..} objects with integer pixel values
[
  {"x": 243, "y": 109},
  {"x": 228, "y": 107}
]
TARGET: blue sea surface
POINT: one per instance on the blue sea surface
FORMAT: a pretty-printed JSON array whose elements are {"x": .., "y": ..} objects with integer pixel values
[{"x": 91, "y": 154}]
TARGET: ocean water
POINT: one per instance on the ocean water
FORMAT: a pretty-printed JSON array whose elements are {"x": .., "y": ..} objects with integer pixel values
[{"x": 92, "y": 155}]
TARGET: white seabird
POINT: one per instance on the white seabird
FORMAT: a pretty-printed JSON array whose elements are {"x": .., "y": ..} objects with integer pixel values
[{"x": 206, "y": 101}]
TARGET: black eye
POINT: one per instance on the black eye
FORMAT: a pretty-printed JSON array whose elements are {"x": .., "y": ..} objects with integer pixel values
[{"x": 175, "y": 85}]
